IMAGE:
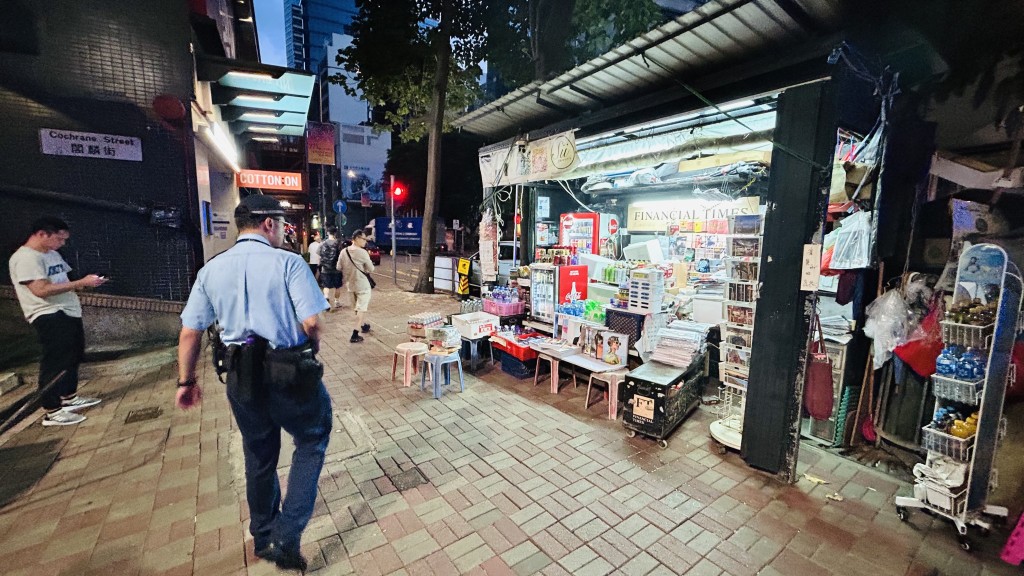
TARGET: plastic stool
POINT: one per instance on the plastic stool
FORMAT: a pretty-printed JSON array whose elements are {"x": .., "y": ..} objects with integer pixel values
[
  {"x": 612, "y": 379},
  {"x": 439, "y": 362},
  {"x": 475, "y": 359},
  {"x": 409, "y": 351},
  {"x": 1013, "y": 550}
]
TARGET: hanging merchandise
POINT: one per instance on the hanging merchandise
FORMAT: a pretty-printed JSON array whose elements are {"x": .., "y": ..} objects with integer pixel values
[
  {"x": 818, "y": 377},
  {"x": 488, "y": 246},
  {"x": 886, "y": 324},
  {"x": 853, "y": 243},
  {"x": 924, "y": 344}
]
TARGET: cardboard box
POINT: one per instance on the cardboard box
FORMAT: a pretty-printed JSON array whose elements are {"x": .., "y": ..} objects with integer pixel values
[{"x": 475, "y": 324}]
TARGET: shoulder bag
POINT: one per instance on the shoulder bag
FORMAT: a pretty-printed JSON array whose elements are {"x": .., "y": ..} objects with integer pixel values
[{"x": 368, "y": 277}]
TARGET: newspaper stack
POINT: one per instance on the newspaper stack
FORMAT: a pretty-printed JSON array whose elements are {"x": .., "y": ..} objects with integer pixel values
[{"x": 680, "y": 343}]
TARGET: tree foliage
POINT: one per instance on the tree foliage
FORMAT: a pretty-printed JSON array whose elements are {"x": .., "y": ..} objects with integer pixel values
[
  {"x": 392, "y": 60},
  {"x": 538, "y": 39},
  {"x": 601, "y": 25}
]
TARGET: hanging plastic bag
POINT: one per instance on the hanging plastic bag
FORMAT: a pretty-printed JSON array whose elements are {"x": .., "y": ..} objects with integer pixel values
[
  {"x": 886, "y": 325},
  {"x": 853, "y": 243},
  {"x": 828, "y": 247},
  {"x": 925, "y": 343}
]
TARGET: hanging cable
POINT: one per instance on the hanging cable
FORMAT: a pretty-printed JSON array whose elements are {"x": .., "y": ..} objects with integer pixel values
[{"x": 565, "y": 187}]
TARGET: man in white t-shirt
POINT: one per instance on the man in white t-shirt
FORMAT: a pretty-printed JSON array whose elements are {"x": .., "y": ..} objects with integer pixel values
[
  {"x": 48, "y": 299},
  {"x": 314, "y": 253}
]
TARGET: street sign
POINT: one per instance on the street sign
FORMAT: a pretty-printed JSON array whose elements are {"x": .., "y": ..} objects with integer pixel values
[
  {"x": 455, "y": 225},
  {"x": 340, "y": 206},
  {"x": 464, "y": 285},
  {"x": 464, "y": 266}
]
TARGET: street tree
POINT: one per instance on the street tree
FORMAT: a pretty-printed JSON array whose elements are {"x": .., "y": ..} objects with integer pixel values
[
  {"x": 419, "y": 61},
  {"x": 530, "y": 39}
]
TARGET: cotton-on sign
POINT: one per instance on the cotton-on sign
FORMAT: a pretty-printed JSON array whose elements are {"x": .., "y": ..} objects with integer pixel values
[{"x": 270, "y": 180}]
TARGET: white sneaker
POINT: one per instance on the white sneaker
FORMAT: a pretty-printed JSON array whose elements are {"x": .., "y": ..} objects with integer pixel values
[
  {"x": 78, "y": 403},
  {"x": 62, "y": 418}
]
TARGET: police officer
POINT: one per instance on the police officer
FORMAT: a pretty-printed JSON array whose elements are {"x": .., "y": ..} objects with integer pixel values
[{"x": 266, "y": 302}]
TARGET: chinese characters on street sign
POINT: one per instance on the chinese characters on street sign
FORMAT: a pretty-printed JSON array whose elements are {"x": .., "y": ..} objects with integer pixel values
[{"x": 90, "y": 145}]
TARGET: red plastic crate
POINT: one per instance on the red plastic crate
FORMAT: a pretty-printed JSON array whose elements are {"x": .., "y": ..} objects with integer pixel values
[{"x": 517, "y": 352}]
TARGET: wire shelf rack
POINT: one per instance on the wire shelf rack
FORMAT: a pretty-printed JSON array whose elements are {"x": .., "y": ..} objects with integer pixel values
[
  {"x": 957, "y": 390},
  {"x": 967, "y": 335},
  {"x": 946, "y": 444}
]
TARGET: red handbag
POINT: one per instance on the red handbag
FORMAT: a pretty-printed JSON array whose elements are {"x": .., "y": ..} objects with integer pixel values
[{"x": 818, "y": 392}]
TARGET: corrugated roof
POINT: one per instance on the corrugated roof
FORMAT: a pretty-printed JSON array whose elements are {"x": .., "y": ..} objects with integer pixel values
[{"x": 716, "y": 35}]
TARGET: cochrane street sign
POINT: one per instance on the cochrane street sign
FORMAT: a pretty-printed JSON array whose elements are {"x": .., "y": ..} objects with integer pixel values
[{"x": 90, "y": 145}]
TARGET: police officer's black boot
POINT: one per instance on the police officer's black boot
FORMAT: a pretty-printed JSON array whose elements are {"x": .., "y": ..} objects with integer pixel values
[{"x": 355, "y": 337}]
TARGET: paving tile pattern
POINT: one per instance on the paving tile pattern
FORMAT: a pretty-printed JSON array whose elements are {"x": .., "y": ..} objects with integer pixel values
[{"x": 519, "y": 481}]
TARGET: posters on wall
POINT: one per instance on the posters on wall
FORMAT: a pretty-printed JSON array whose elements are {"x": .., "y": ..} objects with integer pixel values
[{"x": 320, "y": 143}]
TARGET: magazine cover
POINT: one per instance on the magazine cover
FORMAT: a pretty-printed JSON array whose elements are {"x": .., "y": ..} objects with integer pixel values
[{"x": 614, "y": 348}]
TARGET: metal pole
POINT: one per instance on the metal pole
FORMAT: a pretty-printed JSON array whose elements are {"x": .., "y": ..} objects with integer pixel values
[
  {"x": 394, "y": 243},
  {"x": 323, "y": 195}
]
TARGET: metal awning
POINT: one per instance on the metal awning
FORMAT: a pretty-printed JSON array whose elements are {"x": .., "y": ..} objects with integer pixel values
[
  {"x": 258, "y": 99},
  {"x": 699, "y": 44}
]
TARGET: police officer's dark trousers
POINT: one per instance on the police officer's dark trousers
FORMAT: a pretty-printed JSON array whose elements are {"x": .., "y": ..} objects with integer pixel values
[{"x": 261, "y": 413}]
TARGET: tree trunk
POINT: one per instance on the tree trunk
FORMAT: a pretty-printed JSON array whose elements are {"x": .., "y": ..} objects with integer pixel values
[
  {"x": 425, "y": 284},
  {"x": 551, "y": 29}
]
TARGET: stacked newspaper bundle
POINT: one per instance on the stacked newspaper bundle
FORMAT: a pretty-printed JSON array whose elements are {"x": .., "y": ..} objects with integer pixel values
[
  {"x": 836, "y": 329},
  {"x": 680, "y": 343}
]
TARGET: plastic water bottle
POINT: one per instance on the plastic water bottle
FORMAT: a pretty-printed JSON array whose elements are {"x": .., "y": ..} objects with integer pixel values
[{"x": 946, "y": 363}]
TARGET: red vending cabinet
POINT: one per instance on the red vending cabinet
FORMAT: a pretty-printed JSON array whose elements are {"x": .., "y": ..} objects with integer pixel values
[
  {"x": 590, "y": 233},
  {"x": 552, "y": 285}
]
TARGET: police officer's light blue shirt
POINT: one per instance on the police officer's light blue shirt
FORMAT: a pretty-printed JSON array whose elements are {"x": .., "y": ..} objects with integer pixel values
[{"x": 254, "y": 288}]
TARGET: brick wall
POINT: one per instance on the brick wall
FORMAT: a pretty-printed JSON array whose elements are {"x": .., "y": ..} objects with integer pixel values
[{"x": 96, "y": 67}]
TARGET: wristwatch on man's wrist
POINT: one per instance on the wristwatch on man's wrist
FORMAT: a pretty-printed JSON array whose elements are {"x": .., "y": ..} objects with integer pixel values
[{"x": 188, "y": 382}]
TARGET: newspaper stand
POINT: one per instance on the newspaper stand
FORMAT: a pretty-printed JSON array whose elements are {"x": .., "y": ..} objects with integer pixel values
[{"x": 981, "y": 269}]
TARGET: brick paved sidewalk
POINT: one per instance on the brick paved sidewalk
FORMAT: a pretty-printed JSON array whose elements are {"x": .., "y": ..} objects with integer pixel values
[{"x": 517, "y": 481}]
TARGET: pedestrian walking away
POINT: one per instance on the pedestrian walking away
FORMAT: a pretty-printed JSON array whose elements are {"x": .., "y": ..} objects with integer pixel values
[
  {"x": 330, "y": 278},
  {"x": 49, "y": 301},
  {"x": 314, "y": 253},
  {"x": 267, "y": 305},
  {"x": 355, "y": 266}
]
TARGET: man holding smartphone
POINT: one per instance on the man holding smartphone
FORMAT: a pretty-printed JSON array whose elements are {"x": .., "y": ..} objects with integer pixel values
[{"x": 50, "y": 304}]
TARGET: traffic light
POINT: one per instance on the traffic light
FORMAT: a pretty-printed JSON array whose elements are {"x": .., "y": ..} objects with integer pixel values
[{"x": 397, "y": 193}]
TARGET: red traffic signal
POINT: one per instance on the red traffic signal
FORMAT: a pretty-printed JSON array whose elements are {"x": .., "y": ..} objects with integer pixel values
[{"x": 398, "y": 191}]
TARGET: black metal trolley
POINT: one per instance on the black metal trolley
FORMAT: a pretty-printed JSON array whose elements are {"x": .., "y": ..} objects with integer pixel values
[{"x": 658, "y": 397}]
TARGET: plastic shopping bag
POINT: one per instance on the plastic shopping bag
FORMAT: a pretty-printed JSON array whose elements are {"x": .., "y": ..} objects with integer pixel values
[
  {"x": 853, "y": 243},
  {"x": 886, "y": 325},
  {"x": 925, "y": 343}
]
